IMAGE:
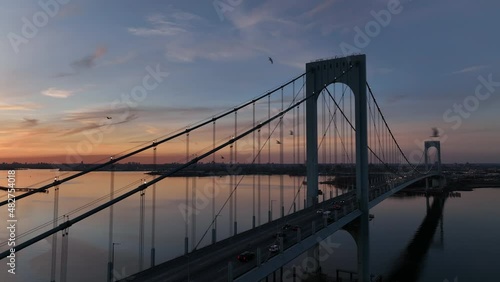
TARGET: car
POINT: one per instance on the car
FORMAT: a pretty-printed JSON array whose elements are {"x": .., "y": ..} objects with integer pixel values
[
  {"x": 326, "y": 213},
  {"x": 336, "y": 207},
  {"x": 279, "y": 234},
  {"x": 286, "y": 226},
  {"x": 246, "y": 256},
  {"x": 295, "y": 228},
  {"x": 274, "y": 248},
  {"x": 320, "y": 211}
]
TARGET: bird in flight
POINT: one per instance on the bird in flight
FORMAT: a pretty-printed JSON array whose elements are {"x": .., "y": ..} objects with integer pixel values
[
  {"x": 109, "y": 117},
  {"x": 271, "y": 60},
  {"x": 278, "y": 142}
]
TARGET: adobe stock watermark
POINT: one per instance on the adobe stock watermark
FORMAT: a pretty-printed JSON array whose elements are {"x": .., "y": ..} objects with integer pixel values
[
  {"x": 470, "y": 104},
  {"x": 31, "y": 26},
  {"x": 303, "y": 269},
  {"x": 126, "y": 102},
  {"x": 224, "y": 6},
  {"x": 456, "y": 114},
  {"x": 372, "y": 29}
]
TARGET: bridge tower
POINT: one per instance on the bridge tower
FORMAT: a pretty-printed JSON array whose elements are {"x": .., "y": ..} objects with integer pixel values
[
  {"x": 351, "y": 71},
  {"x": 427, "y": 145},
  {"x": 436, "y": 144}
]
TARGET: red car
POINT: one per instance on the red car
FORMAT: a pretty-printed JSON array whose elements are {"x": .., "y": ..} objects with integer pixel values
[{"x": 246, "y": 256}]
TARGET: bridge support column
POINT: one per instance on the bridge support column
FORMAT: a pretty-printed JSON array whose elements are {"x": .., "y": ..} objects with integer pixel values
[
  {"x": 311, "y": 141},
  {"x": 351, "y": 71},
  {"x": 362, "y": 184}
]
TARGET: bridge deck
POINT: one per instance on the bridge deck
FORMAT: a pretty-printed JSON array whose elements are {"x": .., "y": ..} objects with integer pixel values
[{"x": 211, "y": 262}]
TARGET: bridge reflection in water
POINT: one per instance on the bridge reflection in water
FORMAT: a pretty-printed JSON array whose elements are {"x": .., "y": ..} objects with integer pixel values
[{"x": 410, "y": 263}]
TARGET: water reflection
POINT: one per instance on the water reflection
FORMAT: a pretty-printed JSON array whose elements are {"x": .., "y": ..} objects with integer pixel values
[
  {"x": 475, "y": 215},
  {"x": 409, "y": 265}
]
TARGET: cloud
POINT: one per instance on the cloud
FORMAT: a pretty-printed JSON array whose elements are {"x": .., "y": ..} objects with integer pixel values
[
  {"x": 30, "y": 122},
  {"x": 89, "y": 61},
  {"x": 175, "y": 23},
  {"x": 103, "y": 123},
  {"x": 85, "y": 63},
  {"x": 151, "y": 129},
  {"x": 119, "y": 114},
  {"x": 119, "y": 60},
  {"x": 192, "y": 39},
  {"x": 396, "y": 98},
  {"x": 470, "y": 69},
  {"x": 190, "y": 49},
  {"x": 322, "y": 7},
  {"x": 58, "y": 93},
  {"x": 19, "y": 107}
]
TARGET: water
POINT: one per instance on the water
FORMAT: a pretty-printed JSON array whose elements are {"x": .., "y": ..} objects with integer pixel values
[{"x": 465, "y": 249}]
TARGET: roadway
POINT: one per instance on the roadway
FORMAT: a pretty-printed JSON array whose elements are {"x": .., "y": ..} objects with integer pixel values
[{"x": 210, "y": 263}]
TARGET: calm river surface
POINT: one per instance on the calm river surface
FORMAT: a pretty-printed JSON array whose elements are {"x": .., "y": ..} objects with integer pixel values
[{"x": 461, "y": 243}]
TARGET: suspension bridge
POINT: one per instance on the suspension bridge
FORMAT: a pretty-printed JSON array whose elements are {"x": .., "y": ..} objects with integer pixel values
[{"x": 316, "y": 148}]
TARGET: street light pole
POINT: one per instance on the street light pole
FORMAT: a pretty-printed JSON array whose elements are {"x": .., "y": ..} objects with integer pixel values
[
  {"x": 113, "y": 260},
  {"x": 271, "y": 211},
  {"x": 214, "y": 230}
]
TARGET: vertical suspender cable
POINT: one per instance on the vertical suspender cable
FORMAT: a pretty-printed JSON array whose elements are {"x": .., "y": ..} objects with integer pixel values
[
  {"x": 186, "y": 205},
  {"x": 236, "y": 163},
  {"x": 54, "y": 237},
  {"x": 141, "y": 228},
  {"x": 153, "y": 212},
  {"x": 231, "y": 184},
  {"x": 282, "y": 140},
  {"x": 64, "y": 253},
  {"x": 292, "y": 132},
  {"x": 214, "y": 227},
  {"x": 299, "y": 183},
  {"x": 269, "y": 156},
  {"x": 253, "y": 158},
  {"x": 330, "y": 168},
  {"x": 335, "y": 135},
  {"x": 193, "y": 213},
  {"x": 110, "y": 235},
  {"x": 259, "y": 198},
  {"x": 304, "y": 135},
  {"x": 323, "y": 143}
]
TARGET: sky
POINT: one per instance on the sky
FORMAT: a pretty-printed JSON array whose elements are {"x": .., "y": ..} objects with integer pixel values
[{"x": 65, "y": 66}]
